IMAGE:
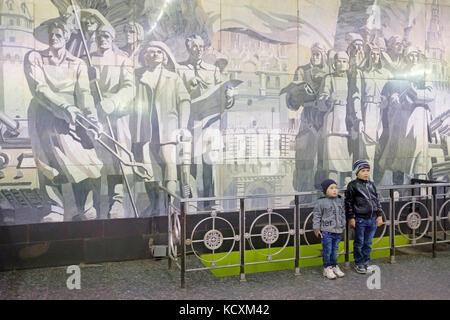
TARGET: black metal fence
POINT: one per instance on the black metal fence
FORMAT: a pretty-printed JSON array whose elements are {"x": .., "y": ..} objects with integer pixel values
[{"x": 419, "y": 213}]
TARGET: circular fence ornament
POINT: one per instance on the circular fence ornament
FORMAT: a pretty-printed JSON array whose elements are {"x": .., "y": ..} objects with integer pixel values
[
  {"x": 269, "y": 234},
  {"x": 213, "y": 239},
  {"x": 448, "y": 216},
  {"x": 413, "y": 220}
]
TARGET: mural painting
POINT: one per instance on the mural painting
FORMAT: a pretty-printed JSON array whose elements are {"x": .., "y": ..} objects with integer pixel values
[{"x": 102, "y": 102}]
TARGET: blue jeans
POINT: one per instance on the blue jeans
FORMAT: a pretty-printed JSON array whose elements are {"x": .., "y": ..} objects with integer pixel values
[
  {"x": 330, "y": 246},
  {"x": 362, "y": 245}
]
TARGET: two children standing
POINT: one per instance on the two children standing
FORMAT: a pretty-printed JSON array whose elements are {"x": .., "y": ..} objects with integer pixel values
[{"x": 361, "y": 207}]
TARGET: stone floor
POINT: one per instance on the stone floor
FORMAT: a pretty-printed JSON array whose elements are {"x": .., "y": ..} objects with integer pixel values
[{"x": 415, "y": 275}]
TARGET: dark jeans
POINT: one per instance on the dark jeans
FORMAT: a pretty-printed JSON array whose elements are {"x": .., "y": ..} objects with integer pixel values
[
  {"x": 362, "y": 245},
  {"x": 330, "y": 246}
]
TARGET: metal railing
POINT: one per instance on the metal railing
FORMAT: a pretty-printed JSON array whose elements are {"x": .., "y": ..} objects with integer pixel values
[{"x": 421, "y": 219}]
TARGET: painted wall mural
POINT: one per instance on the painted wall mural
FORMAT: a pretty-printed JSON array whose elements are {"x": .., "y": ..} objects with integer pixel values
[{"x": 103, "y": 101}]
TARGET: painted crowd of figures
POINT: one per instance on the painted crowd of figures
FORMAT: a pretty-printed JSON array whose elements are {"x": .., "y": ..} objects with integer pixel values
[
  {"x": 369, "y": 102},
  {"x": 83, "y": 86}
]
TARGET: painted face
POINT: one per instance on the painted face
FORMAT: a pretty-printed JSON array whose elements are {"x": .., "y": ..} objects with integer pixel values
[
  {"x": 357, "y": 52},
  {"x": 357, "y": 46},
  {"x": 341, "y": 64},
  {"x": 104, "y": 40},
  {"x": 154, "y": 56},
  {"x": 130, "y": 34},
  {"x": 316, "y": 58},
  {"x": 90, "y": 24},
  {"x": 398, "y": 47},
  {"x": 375, "y": 57},
  {"x": 197, "y": 49},
  {"x": 364, "y": 174},
  {"x": 413, "y": 58},
  {"x": 332, "y": 191},
  {"x": 56, "y": 38}
]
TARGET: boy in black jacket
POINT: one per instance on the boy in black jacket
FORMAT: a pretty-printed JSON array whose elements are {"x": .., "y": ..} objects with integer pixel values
[{"x": 363, "y": 211}]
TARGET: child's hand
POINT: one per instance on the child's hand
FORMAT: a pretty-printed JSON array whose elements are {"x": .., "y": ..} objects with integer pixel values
[
  {"x": 318, "y": 233},
  {"x": 379, "y": 221},
  {"x": 352, "y": 223}
]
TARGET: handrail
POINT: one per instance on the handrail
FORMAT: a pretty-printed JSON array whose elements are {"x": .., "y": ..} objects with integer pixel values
[
  {"x": 293, "y": 194},
  {"x": 170, "y": 193}
]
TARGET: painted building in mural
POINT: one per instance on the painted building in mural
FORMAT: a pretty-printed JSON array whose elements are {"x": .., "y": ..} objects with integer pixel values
[{"x": 213, "y": 98}]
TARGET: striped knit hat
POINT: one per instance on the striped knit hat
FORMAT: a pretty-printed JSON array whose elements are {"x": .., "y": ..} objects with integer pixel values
[{"x": 359, "y": 165}]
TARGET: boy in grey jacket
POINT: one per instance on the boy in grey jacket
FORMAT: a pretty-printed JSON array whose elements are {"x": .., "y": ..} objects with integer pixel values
[{"x": 329, "y": 223}]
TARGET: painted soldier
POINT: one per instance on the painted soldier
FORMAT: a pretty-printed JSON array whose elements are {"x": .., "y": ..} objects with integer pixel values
[
  {"x": 393, "y": 60},
  {"x": 339, "y": 97},
  {"x": 355, "y": 50},
  {"x": 302, "y": 95},
  {"x": 68, "y": 166},
  {"x": 394, "y": 56},
  {"x": 375, "y": 76},
  {"x": 406, "y": 150}
]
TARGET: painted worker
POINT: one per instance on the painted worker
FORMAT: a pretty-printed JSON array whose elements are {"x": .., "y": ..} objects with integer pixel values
[
  {"x": 199, "y": 77},
  {"x": 134, "y": 36},
  {"x": 67, "y": 163},
  {"x": 113, "y": 73},
  {"x": 90, "y": 20},
  {"x": 159, "y": 121}
]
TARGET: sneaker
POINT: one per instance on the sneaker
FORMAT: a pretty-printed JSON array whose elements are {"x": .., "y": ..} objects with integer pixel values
[
  {"x": 360, "y": 269},
  {"x": 337, "y": 271},
  {"x": 328, "y": 272},
  {"x": 370, "y": 268}
]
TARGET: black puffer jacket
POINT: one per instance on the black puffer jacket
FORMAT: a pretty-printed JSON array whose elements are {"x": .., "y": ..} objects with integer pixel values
[{"x": 361, "y": 200}]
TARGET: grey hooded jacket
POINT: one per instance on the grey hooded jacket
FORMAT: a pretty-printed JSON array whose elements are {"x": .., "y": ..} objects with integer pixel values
[{"x": 329, "y": 215}]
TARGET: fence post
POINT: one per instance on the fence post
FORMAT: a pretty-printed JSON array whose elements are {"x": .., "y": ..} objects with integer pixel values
[
  {"x": 183, "y": 248},
  {"x": 434, "y": 222},
  {"x": 347, "y": 243},
  {"x": 170, "y": 232},
  {"x": 242, "y": 238},
  {"x": 297, "y": 235},
  {"x": 445, "y": 199},
  {"x": 392, "y": 225}
]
